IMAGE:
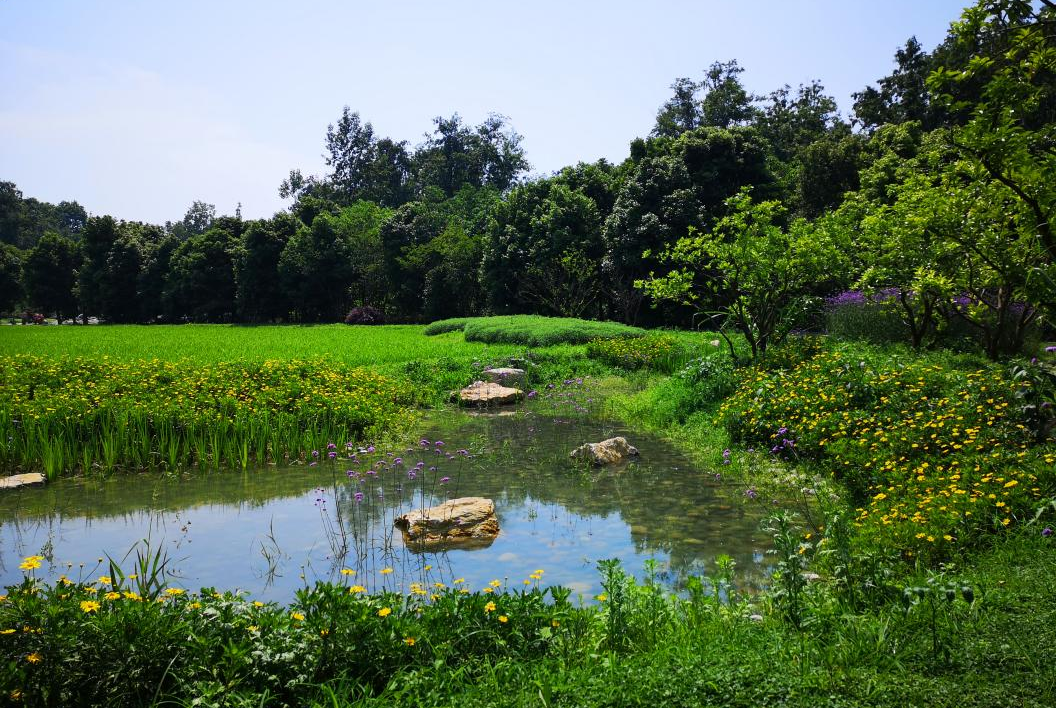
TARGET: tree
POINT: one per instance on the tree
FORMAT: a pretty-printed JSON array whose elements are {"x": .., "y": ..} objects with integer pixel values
[
  {"x": 200, "y": 285},
  {"x": 726, "y": 102},
  {"x": 10, "y": 212},
  {"x": 1009, "y": 137},
  {"x": 51, "y": 275},
  {"x": 316, "y": 270},
  {"x": 454, "y": 156},
  {"x": 676, "y": 184},
  {"x": 197, "y": 220},
  {"x": 682, "y": 112},
  {"x": 536, "y": 238},
  {"x": 98, "y": 238},
  {"x": 258, "y": 294},
  {"x": 11, "y": 290},
  {"x": 749, "y": 273},
  {"x": 902, "y": 95}
]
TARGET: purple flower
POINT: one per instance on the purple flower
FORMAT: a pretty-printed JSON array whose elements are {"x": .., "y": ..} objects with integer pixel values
[
  {"x": 782, "y": 431},
  {"x": 370, "y": 449},
  {"x": 331, "y": 446},
  {"x": 1047, "y": 532},
  {"x": 424, "y": 443},
  {"x": 445, "y": 479},
  {"x": 438, "y": 444},
  {"x": 315, "y": 454},
  {"x": 332, "y": 455},
  {"x": 718, "y": 476},
  {"x": 751, "y": 493},
  {"x": 358, "y": 496},
  {"x": 531, "y": 395},
  {"x": 412, "y": 474},
  {"x": 725, "y": 453},
  {"x": 432, "y": 469},
  {"x": 397, "y": 460},
  {"x": 1050, "y": 348},
  {"x": 313, "y": 463}
]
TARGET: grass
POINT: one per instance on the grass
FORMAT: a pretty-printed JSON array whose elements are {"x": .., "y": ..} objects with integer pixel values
[
  {"x": 534, "y": 331},
  {"x": 926, "y": 479},
  {"x": 203, "y": 344}
]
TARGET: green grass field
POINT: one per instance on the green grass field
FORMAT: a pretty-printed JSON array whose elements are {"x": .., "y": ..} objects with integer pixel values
[{"x": 351, "y": 345}]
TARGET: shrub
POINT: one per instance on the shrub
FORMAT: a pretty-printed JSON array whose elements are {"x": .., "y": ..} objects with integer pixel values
[
  {"x": 533, "y": 331},
  {"x": 656, "y": 352},
  {"x": 364, "y": 315}
]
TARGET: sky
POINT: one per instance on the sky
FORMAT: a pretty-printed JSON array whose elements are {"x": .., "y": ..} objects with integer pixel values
[{"x": 136, "y": 109}]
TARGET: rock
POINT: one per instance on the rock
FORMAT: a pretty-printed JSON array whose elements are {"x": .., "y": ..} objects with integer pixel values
[
  {"x": 714, "y": 343},
  {"x": 460, "y": 522},
  {"x": 605, "y": 452},
  {"x": 482, "y": 394},
  {"x": 509, "y": 376},
  {"x": 756, "y": 617},
  {"x": 22, "y": 479},
  {"x": 811, "y": 577}
]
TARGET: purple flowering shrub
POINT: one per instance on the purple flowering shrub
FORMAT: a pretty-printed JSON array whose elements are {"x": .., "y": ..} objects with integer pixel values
[
  {"x": 365, "y": 315},
  {"x": 874, "y": 317}
]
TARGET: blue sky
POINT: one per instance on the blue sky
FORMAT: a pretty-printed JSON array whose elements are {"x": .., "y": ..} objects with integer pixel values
[{"x": 138, "y": 108}]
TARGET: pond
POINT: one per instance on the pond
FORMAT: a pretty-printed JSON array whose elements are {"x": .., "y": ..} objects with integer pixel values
[{"x": 270, "y": 531}]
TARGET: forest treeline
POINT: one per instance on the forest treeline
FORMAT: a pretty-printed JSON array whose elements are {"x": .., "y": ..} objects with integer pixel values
[{"x": 937, "y": 191}]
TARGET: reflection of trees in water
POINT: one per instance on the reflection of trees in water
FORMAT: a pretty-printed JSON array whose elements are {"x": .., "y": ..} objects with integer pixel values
[{"x": 672, "y": 509}]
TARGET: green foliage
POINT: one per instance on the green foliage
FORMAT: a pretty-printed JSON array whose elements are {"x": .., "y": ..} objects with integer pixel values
[
  {"x": 933, "y": 450},
  {"x": 11, "y": 266},
  {"x": 749, "y": 271},
  {"x": 66, "y": 414},
  {"x": 534, "y": 331},
  {"x": 660, "y": 352}
]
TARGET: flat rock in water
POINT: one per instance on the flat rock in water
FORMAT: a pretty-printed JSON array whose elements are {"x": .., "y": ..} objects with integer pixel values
[
  {"x": 605, "y": 452},
  {"x": 482, "y": 394},
  {"x": 22, "y": 479},
  {"x": 460, "y": 522},
  {"x": 508, "y": 376}
]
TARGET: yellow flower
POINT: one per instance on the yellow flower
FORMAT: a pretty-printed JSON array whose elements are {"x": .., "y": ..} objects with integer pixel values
[
  {"x": 105, "y": 580},
  {"x": 252, "y": 628},
  {"x": 538, "y": 571},
  {"x": 602, "y": 597},
  {"x": 460, "y": 580},
  {"x": 29, "y": 563},
  {"x": 357, "y": 589},
  {"x": 428, "y": 567},
  {"x": 503, "y": 619},
  {"x": 297, "y": 616},
  {"x": 489, "y": 607},
  {"x": 555, "y": 623},
  {"x": 89, "y": 606},
  {"x": 488, "y": 590},
  {"x": 494, "y": 583},
  {"x": 258, "y": 604},
  {"x": 174, "y": 591},
  {"x": 5, "y": 632},
  {"x": 348, "y": 572},
  {"x": 133, "y": 596},
  {"x": 324, "y": 632},
  {"x": 194, "y": 605},
  {"x": 113, "y": 595},
  {"x": 34, "y": 657},
  {"x": 387, "y": 570},
  {"x": 384, "y": 611},
  {"x": 409, "y": 640}
]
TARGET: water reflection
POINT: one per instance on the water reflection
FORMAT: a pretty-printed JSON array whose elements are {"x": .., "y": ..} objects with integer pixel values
[{"x": 272, "y": 530}]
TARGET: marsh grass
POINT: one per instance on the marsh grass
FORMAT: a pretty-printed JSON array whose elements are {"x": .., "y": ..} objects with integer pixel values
[{"x": 534, "y": 331}]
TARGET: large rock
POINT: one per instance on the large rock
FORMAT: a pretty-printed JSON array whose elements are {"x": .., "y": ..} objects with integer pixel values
[
  {"x": 604, "y": 452},
  {"x": 507, "y": 376},
  {"x": 22, "y": 479},
  {"x": 460, "y": 522},
  {"x": 482, "y": 394}
]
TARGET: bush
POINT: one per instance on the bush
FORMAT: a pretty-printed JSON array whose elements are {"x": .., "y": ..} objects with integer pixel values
[
  {"x": 365, "y": 315},
  {"x": 656, "y": 351},
  {"x": 534, "y": 331}
]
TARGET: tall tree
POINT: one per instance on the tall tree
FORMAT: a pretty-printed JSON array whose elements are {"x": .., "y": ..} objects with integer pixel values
[
  {"x": 11, "y": 289},
  {"x": 51, "y": 275},
  {"x": 258, "y": 293},
  {"x": 455, "y": 156},
  {"x": 902, "y": 95}
]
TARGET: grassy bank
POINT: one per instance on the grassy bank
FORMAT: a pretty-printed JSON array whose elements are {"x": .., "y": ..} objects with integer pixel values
[{"x": 917, "y": 568}]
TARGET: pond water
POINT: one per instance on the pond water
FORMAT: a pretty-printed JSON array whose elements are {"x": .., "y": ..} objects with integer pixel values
[{"x": 272, "y": 530}]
